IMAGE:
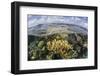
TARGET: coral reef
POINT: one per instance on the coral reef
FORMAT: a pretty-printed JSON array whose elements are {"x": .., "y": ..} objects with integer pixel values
[{"x": 58, "y": 46}]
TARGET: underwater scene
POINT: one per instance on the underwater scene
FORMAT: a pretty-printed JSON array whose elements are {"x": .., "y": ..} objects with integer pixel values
[{"x": 52, "y": 37}]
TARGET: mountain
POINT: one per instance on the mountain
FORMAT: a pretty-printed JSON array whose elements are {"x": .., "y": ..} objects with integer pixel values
[{"x": 52, "y": 28}]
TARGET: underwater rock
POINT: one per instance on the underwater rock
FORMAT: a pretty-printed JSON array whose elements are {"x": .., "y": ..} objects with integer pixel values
[{"x": 40, "y": 44}]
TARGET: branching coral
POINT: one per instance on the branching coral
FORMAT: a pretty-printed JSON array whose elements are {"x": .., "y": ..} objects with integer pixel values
[{"x": 58, "y": 46}]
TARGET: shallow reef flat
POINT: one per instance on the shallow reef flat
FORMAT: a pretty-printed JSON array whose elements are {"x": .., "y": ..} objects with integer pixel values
[{"x": 58, "y": 46}]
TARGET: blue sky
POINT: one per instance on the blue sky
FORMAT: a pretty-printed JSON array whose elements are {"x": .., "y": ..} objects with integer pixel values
[{"x": 34, "y": 20}]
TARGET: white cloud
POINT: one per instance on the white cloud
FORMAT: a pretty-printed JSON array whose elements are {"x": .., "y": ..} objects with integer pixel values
[{"x": 57, "y": 19}]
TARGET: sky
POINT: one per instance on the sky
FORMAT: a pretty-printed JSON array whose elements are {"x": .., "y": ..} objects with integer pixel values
[{"x": 34, "y": 20}]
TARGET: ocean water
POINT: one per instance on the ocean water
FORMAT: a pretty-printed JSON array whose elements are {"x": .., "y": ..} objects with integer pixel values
[
  {"x": 57, "y": 37},
  {"x": 58, "y": 46}
]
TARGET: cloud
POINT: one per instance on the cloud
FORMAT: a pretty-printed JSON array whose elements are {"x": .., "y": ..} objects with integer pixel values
[{"x": 34, "y": 20}]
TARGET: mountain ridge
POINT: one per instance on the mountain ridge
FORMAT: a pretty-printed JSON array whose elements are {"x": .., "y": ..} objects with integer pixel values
[{"x": 47, "y": 29}]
